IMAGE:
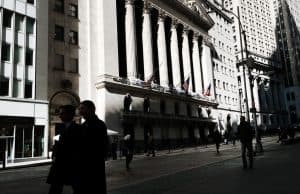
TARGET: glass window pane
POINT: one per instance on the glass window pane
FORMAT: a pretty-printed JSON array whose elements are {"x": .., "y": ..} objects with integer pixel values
[
  {"x": 39, "y": 140},
  {"x": 29, "y": 57},
  {"x": 59, "y": 6},
  {"x": 7, "y": 18},
  {"x": 30, "y": 25},
  {"x": 28, "y": 89},
  {"x": 73, "y": 37},
  {"x": 73, "y": 10},
  {"x": 30, "y": 1},
  {"x": 59, "y": 33},
  {"x": 19, "y": 22},
  {"x": 5, "y": 52},
  {"x": 4, "y": 86},
  {"x": 18, "y": 54},
  {"x": 17, "y": 88}
]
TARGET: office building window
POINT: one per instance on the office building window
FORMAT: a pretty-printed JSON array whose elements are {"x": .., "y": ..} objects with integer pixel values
[
  {"x": 73, "y": 10},
  {"x": 19, "y": 23},
  {"x": 59, "y": 6},
  {"x": 30, "y": 25},
  {"x": 4, "y": 85},
  {"x": 30, "y": 1},
  {"x": 59, "y": 62},
  {"x": 73, "y": 37},
  {"x": 5, "y": 52},
  {"x": 29, "y": 57},
  {"x": 7, "y": 19},
  {"x": 59, "y": 33},
  {"x": 17, "y": 86},
  {"x": 18, "y": 54},
  {"x": 28, "y": 89},
  {"x": 74, "y": 65}
]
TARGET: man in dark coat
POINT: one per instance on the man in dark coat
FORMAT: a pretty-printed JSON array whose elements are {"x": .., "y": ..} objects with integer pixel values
[
  {"x": 127, "y": 102},
  {"x": 245, "y": 134},
  {"x": 93, "y": 151},
  {"x": 64, "y": 163}
]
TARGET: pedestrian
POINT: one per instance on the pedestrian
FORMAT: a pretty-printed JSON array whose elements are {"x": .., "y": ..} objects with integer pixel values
[
  {"x": 127, "y": 102},
  {"x": 151, "y": 149},
  {"x": 114, "y": 147},
  {"x": 245, "y": 134},
  {"x": 64, "y": 158},
  {"x": 94, "y": 144},
  {"x": 217, "y": 139},
  {"x": 146, "y": 104},
  {"x": 128, "y": 150}
]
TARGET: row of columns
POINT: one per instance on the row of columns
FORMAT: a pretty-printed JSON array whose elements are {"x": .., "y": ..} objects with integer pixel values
[
  {"x": 265, "y": 99},
  {"x": 201, "y": 83}
]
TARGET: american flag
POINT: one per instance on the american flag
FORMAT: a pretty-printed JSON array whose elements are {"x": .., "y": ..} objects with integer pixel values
[
  {"x": 207, "y": 92},
  {"x": 148, "y": 82},
  {"x": 186, "y": 84}
]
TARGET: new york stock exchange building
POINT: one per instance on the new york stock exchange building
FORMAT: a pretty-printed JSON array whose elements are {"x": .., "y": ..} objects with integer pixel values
[{"x": 159, "y": 52}]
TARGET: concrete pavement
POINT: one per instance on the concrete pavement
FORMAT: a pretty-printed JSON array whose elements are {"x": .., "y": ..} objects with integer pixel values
[{"x": 144, "y": 169}]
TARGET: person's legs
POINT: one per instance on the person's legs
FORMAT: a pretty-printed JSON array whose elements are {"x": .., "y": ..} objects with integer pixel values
[
  {"x": 250, "y": 154},
  {"x": 244, "y": 155},
  {"x": 56, "y": 189}
]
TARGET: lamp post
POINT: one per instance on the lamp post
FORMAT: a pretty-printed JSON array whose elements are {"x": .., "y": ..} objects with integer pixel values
[{"x": 248, "y": 61}]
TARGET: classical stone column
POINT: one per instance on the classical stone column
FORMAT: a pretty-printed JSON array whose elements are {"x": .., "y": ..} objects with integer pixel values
[
  {"x": 147, "y": 43},
  {"x": 186, "y": 60},
  {"x": 131, "y": 53},
  {"x": 162, "y": 51},
  {"x": 256, "y": 97},
  {"x": 197, "y": 65},
  {"x": 175, "y": 56},
  {"x": 207, "y": 67}
]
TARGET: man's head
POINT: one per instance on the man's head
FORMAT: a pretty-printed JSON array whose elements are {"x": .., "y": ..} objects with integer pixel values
[
  {"x": 87, "y": 109},
  {"x": 66, "y": 113}
]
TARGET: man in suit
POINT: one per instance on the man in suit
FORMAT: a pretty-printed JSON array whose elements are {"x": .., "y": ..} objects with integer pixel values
[
  {"x": 93, "y": 151},
  {"x": 245, "y": 134},
  {"x": 64, "y": 158}
]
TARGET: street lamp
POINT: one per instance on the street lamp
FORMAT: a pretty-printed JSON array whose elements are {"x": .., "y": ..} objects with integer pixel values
[{"x": 248, "y": 61}]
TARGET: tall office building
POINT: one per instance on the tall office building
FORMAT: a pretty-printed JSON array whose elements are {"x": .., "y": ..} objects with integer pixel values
[
  {"x": 255, "y": 20},
  {"x": 288, "y": 34},
  {"x": 63, "y": 78},
  {"x": 23, "y": 78},
  {"x": 224, "y": 66}
]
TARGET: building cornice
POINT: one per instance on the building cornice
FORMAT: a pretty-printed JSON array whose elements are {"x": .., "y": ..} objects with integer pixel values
[
  {"x": 112, "y": 84},
  {"x": 185, "y": 14}
]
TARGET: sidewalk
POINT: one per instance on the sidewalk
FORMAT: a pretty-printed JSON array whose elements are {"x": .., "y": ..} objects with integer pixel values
[{"x": 160, "y": 153}]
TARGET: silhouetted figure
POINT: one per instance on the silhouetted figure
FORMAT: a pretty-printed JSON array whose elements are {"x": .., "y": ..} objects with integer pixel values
[
  {"x": 128, "y": 149},
  {"x": 114, "y": 148},
  {"x": 65, "y": 158},
  {"x": 151, "y": 149},
  {"x": 245, "y": 135},
  {"x": 94, "y": 147},
  {"x": 146, "y": 104},
  {"x": 217, "y": 139},
  {"x": 127, "y": 102}
]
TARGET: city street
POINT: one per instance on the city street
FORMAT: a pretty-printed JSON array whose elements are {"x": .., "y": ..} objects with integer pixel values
[{"x": 193, "y": 170}]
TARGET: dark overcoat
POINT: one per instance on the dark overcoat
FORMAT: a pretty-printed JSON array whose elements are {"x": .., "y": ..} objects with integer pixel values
[
  {"x": 93, "y": 155},
  {"x": 65, "y": 156}
]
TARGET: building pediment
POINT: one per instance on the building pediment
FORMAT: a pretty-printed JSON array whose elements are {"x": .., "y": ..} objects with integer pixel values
[{"x": 191, "y": 12}]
